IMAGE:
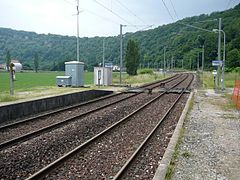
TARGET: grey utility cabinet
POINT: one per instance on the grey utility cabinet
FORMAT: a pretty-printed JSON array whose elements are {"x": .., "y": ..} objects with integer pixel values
[
  {"x": 75, "y": 69},
  {"x": 64, "y": 81}
]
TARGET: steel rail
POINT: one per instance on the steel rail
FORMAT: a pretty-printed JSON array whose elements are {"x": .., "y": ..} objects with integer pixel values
[
  {"x": 160, "y": 81},
  {"x": 157, "y": 84},
  {"x": 134, "y": 155},
  {"x": 56, "y": 125},
  {"x": 44, "y": 171}
]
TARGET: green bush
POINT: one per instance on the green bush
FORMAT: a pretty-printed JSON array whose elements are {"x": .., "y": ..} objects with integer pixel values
[
  {"x": 237, "y": 70},
  {"x": 227, "y": 69},
  {"x": 145, "y": 71}
]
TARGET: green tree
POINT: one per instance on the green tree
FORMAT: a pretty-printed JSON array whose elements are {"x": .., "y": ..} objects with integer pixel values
[
  {"x": 8, "y": 60},
  {"x": 233, "y": 59},
  {"x": 132, "y": 57},
  {"x": 36, "y": 63},
  {"x": 146, "y": 59}
]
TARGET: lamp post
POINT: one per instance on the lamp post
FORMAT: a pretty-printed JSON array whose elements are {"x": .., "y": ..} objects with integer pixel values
[
  {"x": 164, "y": 61},
  {"x": 202, "y": 58},
  {"x": 224, "y": 56}
]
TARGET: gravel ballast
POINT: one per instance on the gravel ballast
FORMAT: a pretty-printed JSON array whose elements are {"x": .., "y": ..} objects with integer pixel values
[
  {"x": 36, "y": 124},
  {"x": 105, "y": 157},
  {"x": 32, "y": 155}
]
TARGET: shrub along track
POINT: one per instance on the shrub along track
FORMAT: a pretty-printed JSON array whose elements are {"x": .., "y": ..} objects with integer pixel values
[{"x": 27, "y": 158}]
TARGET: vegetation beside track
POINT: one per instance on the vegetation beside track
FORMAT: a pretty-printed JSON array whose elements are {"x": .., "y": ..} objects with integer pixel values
[
  {"x": 32, "y": 85},
  {"x": 230, "y": 78}
]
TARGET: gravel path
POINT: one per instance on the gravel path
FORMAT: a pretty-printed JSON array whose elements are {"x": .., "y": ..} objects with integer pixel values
[{"x": 211, "y": 144}]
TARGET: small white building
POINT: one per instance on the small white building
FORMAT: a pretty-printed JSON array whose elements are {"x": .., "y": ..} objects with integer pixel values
[
  {"x": 17, "y": 65},
  {"x": 116, "y": 68},
  {"x": 102, "y": 76}
]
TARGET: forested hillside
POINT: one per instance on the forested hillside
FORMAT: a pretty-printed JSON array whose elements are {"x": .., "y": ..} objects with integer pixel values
[{"x": 181, "y": 42}]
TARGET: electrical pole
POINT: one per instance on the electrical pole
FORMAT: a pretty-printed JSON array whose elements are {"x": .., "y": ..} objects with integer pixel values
[
  {"x": 121, "y": 58},
  {"x": 198, "y": 59},
  {"x": 164, "y": 61},
  {"x": 219, "y": 48},
  {"x": 11, "y": 79},
  {"x": 224, "y": 59},
  {"x": 103, "y": 60},
  {"x": 77, "y": 30},
  {"x": 190, "y": 63},
  {"x": 202, "y": 58}
]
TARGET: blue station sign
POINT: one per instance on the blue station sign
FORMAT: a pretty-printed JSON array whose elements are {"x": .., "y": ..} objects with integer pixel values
[{"x": 216, "y": 63}]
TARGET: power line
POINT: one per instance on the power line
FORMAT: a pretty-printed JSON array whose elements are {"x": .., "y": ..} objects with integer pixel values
[
  {"x": 174, "y": 9},
  {"x": 112, "y": 12},
  {"x": 130, "y": 11},
  {"x": 168, "y": 10}
]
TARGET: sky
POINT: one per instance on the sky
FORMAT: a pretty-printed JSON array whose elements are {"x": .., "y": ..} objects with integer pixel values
[{"x": 101, "y": 17}]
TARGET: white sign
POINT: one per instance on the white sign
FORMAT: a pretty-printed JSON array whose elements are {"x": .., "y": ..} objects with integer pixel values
[{"x": 214, "y": 72}]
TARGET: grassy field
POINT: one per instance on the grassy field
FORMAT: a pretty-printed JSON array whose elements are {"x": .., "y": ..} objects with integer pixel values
[
  {"x": 28, "y": 80},
  {"x": 229, "y": 79},
  {"x": 32, "y": 85}
]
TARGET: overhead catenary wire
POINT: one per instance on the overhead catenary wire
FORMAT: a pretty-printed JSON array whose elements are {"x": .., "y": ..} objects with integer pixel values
[
  {"x": 131, "y": 12},
  {"x": 102, "y": 17},
  {"x": 228, "y": 4},
  {"x": 168, "y": 10},
  {"x": 110, "y": 20},
  {"x": 175, "y": 12},
  {"x": 113, "y": 12}
]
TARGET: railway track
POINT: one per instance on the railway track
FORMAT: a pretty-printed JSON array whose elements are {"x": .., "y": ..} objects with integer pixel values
[
  {"x": 17, "y": 132},
  {"x": 114, "y": 129},
  {"x": 53, "y": 147},
  {"x": 127, "y": 170}
]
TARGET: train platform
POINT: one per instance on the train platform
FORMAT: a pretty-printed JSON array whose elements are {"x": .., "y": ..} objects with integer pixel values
[{"x": 210, "y": 146}]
